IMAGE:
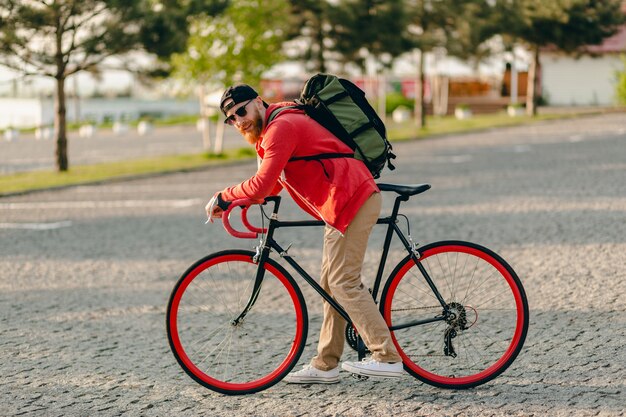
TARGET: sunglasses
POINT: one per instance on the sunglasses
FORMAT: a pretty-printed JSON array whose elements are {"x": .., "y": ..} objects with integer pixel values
[{"x": 241, "y": 112}]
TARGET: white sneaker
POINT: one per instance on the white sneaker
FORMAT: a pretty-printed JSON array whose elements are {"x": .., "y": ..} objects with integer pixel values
[
  {"x": 372, "y": 367},
  {"x": 310, "y": 375}
]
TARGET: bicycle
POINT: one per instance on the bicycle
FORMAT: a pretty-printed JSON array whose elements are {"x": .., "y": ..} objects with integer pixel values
[{"x": 237, "y": 321}]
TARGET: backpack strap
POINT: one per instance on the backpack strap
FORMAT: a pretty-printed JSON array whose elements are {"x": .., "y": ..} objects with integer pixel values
[
  {"x": 277, "y": 110},
  {"x": 321, "y": 156},
  {"x": 318, "y": 157}
]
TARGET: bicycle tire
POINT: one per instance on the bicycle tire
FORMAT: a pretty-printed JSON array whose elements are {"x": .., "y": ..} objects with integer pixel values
[
  {"x": 491, "y": 308},
  {"x": 243, "y": 358}
]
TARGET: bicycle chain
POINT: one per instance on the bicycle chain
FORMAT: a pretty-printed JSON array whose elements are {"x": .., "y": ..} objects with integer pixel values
[{"x": 414, "y": 308}]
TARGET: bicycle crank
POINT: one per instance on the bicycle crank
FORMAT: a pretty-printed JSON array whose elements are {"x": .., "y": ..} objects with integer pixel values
[{"x": 352, "y": 337}]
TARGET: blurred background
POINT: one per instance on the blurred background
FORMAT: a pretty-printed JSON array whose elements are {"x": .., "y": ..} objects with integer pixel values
[{"x": 92, "y": 66}]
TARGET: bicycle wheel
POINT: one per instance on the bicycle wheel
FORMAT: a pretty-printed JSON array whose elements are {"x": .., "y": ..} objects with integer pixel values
[
  {"x": 236, "y": 358},
  {"x": 490, "y": 319}
]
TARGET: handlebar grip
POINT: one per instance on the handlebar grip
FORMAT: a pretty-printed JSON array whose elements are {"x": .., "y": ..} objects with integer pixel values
[
  {"x": 244, "y": 203},
  {"x": 244, "y": 220}
]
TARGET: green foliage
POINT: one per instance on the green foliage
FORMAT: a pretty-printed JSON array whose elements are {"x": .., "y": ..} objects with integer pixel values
[
  {"x": 85, "y": 174},
  {"x": 89, "y": 32},
  {"x": 565, "y": 24},
  {"x": 62, "y": 37},
  {"x": 376, "y": 28},
  {"x": 310, "y": 27},
  {"x": 467, "y": 25},
  {"x": 620, "y": 87},
  {"x": 245, "y": 152},
  {"x": 238, "y": 46},
  {"x": 461, "y": 27},
  {"x": 395, "y": 100},
  {"x": 429, "y": 20},
  {"x": 212, "y": 155}
]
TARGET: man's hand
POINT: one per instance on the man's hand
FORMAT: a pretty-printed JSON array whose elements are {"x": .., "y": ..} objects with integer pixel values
[
  {"x": 215, "y": 207},
  {"x": 212, "y": 209}
]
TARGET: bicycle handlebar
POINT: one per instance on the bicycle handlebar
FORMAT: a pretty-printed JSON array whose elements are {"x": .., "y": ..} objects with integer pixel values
[
  {"x": 404, "y": 193},
  {"x": 245, "y": 204}
]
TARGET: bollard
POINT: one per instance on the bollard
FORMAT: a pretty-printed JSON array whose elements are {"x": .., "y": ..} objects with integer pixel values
[
  {"x": 401, "y": 114},
  {"x": 11, "y": 134},
  {"x": 87, "y": 131},
  {"x": 144, "y": 128},
  {"x": 462, "y": 112},
  {"x": 120, "y": 128},
  {"x": 44, "y": 133}
]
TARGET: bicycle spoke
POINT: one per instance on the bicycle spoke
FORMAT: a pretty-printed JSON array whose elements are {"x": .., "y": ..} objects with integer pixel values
[
  {"x": 480, "y": 325},
  {"x": 207, "y": 340},
  {"x": 231, "y": 356},
  {"x": 419, "y": 278}
]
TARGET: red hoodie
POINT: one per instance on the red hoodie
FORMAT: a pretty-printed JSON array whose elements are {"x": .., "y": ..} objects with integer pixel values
[{"x": 332, "y": 190}]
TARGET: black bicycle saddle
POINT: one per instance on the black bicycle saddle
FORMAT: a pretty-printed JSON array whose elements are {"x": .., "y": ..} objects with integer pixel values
[{"x": 405, "y": 190}]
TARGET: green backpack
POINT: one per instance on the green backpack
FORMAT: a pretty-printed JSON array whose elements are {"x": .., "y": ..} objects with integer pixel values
[{"x": 341, "y": 107}]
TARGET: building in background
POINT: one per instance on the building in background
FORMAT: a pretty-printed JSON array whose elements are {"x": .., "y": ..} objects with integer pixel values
[{"x": 585, "y": 80}]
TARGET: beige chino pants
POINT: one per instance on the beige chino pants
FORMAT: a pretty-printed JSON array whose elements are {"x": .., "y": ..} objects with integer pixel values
[{"x": 342, "y": 260}]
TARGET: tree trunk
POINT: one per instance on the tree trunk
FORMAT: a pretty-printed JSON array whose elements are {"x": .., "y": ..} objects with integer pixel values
[
  {"x": 320, "y": 47},
  {"x": 60, "y": 122},
  {"x": 531, "y": 95},
  {"x": 420, "y": 112},
  {"x": 382, "y": 96},
  {"x": 204, "y": 120},
  {"x": 60, "y": 125},
  {"x": 219, "y": 134},
  {"x": 439, "y": 93}
]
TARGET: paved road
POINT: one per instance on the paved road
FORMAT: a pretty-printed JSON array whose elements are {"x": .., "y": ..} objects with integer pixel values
[
  {"x": 85, "y": 274},
  {"x": 27, "y": 154}
]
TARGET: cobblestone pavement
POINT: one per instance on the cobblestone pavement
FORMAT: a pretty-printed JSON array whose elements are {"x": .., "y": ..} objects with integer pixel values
[{"x": 85, "y": 274}]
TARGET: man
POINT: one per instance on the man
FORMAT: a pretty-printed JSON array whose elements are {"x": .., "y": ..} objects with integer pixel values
[{"x": 339, "y": 191}]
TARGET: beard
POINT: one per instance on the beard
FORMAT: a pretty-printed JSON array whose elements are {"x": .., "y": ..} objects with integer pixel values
[{"x": 253, "y": 133}]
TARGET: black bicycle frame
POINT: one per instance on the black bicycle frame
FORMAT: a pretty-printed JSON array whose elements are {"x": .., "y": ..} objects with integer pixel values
[{"x": 392, "y": 226}]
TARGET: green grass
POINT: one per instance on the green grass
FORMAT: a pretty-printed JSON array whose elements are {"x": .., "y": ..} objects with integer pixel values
[
  {"x": 85, "y": 174},
  {"x": 22, "y": 182},
  {"x": 449, "y": 124}
]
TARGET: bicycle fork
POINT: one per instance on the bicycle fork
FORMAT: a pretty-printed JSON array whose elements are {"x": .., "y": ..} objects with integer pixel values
[{"x": 259, "y": 259}]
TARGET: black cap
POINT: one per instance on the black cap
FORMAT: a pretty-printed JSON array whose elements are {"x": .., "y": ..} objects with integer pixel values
[{"x": 239, "y": 93}]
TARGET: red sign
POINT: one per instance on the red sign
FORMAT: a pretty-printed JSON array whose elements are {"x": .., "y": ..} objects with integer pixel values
[{"x": 408, "y": 89}]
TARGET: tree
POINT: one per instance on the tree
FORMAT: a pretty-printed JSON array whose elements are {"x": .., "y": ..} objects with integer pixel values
[
  {"x": 310, "y": 28},
  {"x": 59, "y": 38},
  {"x": 456, "y": 26},
  {"x": 566, "y": 25},
  {"x": 237, "y": 46},
  {"x": 427, "y": 19},
  {"x": 370, "y": 31},
  {"x": 369, "y": 28},
  {"x": 467, "y": 28}
]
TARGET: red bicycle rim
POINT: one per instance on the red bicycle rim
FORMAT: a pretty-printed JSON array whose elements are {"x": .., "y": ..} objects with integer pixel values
[{"x": 252, "y": 385}]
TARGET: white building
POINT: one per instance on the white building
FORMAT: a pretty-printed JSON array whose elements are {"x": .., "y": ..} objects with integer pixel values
[{"x": 588, "y": 80}]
